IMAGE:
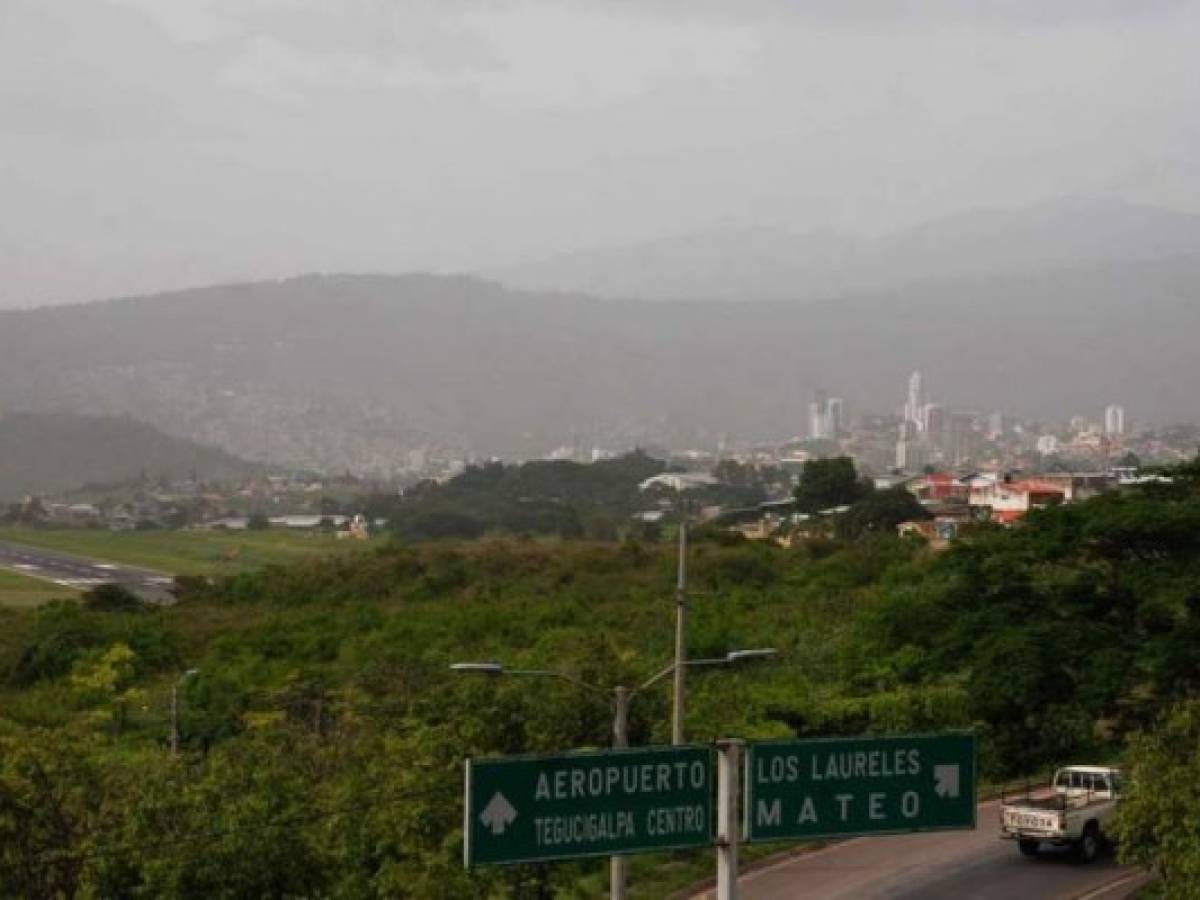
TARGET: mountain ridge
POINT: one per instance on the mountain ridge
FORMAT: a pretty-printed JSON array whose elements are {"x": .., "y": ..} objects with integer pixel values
[
  {"x": 51, "y": 452},
  {"x": 335, "y": 372},
  {"x": 756, "y": 264}
]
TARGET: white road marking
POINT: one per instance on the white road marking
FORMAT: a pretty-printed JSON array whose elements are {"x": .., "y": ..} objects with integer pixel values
[{"x": 1104, "y": 890}]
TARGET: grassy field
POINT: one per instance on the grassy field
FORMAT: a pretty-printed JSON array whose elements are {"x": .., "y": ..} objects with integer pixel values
[
  {"x": 185, "y": 552},
  {"x": 20, "y": 590}
]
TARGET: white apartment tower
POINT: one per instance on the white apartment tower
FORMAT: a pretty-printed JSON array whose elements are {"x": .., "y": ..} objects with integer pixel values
[
  {"x": 816, "y": 418},
  {"x": 835, "y": 416},
  {"x": 1114, "y": 420},
  {"x": 826, "y": 416},
  {"x": 914, "y": 409}
]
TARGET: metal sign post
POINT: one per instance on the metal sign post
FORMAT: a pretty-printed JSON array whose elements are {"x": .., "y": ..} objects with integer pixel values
[{"x": 728, "y": 766}]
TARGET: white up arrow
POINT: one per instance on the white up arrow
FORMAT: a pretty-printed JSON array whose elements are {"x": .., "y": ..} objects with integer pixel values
[{"x": 498, "y": 814}]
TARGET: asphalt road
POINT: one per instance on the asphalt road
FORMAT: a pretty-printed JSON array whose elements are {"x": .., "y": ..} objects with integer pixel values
[
  {"x": 950, "y": 865},
  {"x": 81, "y": 573}
]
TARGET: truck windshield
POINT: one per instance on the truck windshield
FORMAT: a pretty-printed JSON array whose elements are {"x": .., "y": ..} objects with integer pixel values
[{"x": 1087, "y": 781}]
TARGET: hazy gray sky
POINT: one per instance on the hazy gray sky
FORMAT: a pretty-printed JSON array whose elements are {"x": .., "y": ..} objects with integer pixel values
[{"x": 151, "y": 144}]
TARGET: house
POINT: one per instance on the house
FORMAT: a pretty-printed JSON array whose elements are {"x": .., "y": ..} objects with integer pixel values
[
  {"x": 678, "y": 481},
  {"x": 1081, "y": 485},
  {"x": 939, "y": 486},
  {"x": 1007, "y": 501}
]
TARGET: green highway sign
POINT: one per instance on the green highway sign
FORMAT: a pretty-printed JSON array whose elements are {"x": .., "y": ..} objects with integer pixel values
[
  {"x": 868, "y": 785},
  {"x": 535, "y": 808}
]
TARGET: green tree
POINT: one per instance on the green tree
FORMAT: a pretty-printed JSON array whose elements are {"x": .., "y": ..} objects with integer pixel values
[
  {"x": 113, "y": 598},
  {"x": 104, "y": 681},
  {"x": 825, "y": 483},
  {"x": 56, "y": 808},
  {"x": 880, "y": 512},
  {"x": 1158, "y": 825}
]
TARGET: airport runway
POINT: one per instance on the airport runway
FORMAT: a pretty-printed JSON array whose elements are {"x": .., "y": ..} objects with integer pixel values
[{"x": 82, "y": 574}]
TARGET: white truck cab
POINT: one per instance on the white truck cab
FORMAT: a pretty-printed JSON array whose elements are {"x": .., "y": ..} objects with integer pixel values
[{"x": 1076, "y": 811}]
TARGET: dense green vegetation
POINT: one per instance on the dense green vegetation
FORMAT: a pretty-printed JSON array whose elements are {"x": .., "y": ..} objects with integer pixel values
[
  {"x": 1159, "y": 827},
  {"x": 322, "y": 733},
  {"x": 559, "y": 498}
]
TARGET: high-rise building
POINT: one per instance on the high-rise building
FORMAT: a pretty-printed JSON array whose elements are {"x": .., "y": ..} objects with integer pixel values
[
  {"x": 995, "y": 425},
  {"x": 816, "y": 418},
  {"x": 960, "y": 438},
  {"x": 915, "y": 407},
  {"x": 933, "y": 421},
  {"x": 1114, "y": 420},
  {"x": 912, "y": 455},
  {"x": 826, "y": 416},
  {"x": 835, "y": 416}
]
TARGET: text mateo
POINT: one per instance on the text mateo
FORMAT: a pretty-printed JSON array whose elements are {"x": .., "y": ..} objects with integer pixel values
[{"x": 838, "y": 765}]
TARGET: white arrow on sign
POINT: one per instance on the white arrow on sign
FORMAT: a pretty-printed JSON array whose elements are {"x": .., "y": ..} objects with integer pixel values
[
  {"x": 498, "y": 814},
  {"x": 945, "y": 781}
]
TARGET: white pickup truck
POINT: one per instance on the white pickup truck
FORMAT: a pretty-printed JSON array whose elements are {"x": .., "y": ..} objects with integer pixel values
[{"x": 1075, "y": 812}]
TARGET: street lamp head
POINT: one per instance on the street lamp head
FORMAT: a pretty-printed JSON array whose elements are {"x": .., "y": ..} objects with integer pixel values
[
  {"x": 759, "y": 652},
  {"x": 485, "y": 668}
]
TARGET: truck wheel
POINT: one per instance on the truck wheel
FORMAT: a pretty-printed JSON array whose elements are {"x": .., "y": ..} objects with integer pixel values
[
  {"x": 1028, "y": 846},
  {"x": 1089, "y": 844}
]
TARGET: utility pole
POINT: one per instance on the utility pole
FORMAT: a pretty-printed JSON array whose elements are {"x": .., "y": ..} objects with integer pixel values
[
  {"x": 617, "y": 867},
  {"x": 620, "y": 737},
  {"x": 680, "y": 633}
]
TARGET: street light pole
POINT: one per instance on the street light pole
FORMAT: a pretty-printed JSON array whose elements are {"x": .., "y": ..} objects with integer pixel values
[
  {"x": 175, "y": 709},
  {"x": 617, "y": 869},
  {"x": 175, "y": 719},
  {"x": 680, "y": 635},
  {"x": 620, "y": 728}
]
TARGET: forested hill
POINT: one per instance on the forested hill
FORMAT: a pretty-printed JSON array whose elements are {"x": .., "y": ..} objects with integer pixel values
[
  {"x": 346, "y": 371},
  {"x": 560, "y": 498},
  {"x": 55, "y": 452},
  {"x": 322, "y": 732}
]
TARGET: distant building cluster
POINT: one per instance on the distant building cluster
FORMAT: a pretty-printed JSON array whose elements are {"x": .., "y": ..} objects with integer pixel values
[
  {"x": 826, "y": 417},
  {"x": 929, "y": 434},
  {"x": 963, "y": 465}
]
